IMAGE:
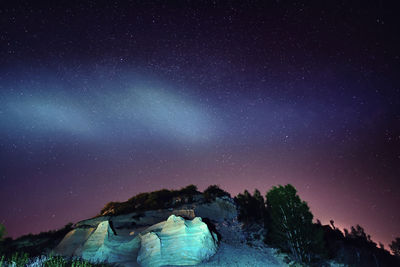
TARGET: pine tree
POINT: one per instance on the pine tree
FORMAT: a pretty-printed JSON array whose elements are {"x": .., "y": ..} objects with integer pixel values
[{"x": 291, "y": 227}]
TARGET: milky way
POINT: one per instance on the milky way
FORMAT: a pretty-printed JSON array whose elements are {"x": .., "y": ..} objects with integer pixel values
[{"x": 99, "y": 103}]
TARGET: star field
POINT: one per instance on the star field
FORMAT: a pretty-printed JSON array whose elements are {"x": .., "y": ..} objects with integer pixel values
[{"x": 100, "y": 101}]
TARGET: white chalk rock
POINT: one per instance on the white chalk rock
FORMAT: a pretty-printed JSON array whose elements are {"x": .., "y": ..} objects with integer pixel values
[
  {"x": 71, "y": 245},
  {"x": 104, "y": 246},
  {"x": 176, "y": 242}
]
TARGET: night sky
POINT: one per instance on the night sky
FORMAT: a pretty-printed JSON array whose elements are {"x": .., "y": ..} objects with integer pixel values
[{"x": 102, "y": 100}]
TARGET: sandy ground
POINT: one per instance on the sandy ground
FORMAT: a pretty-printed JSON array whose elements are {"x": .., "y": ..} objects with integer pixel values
[{"x": 242, "y": 255}]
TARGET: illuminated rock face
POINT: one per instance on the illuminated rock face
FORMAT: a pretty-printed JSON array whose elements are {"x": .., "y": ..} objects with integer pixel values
[
  {"x": 73, "y": 242},
  {"x": 176, "y": 242},
  {"x": 173, "y": 242},
  {"x": 104, "y": 246}
]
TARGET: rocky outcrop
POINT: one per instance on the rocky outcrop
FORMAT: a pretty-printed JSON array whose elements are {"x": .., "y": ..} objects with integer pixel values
[
  {"x": 221, "y": 209},
  {"x": 177, "y": 242},
  {"x": 126, "y": 237},
  {"x": 148, "y": 218}
]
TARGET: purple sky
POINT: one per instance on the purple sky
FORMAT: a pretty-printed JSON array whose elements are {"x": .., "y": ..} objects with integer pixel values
[{"x": 101, "y": 102}]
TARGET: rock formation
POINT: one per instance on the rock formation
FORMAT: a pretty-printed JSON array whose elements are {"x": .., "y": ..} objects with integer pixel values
[
  {"x": 219, "y": 210},
  {"x": 177, "y": 242},
  {"x": 72, "y": 243},
  {"x": 104, "y": 246}
]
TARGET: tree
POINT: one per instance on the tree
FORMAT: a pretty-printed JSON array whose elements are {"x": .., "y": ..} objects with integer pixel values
[
  {"x": 214, "y": 191},
  {"x": 395, "y": 246},
  {"x": 189, "y": 190},
  {"x": 357, "y": 235},
  {"x": 259, "y": 200},
  {"x": 2, "y": 231},
  {"x": 251, "y": 207},
  {"x": 291, "y": 227}
]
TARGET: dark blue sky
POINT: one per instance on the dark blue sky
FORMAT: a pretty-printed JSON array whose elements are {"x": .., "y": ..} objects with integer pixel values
[{"x": 101, "y": 101}]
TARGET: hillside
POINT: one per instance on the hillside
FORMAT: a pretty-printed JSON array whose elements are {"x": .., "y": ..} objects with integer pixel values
[{"x": 154, "y": 229}]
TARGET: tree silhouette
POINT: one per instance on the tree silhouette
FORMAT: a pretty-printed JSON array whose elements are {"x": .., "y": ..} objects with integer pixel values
[
  {"x": 214, "y": 191},
  {"x": 358, "y": 235},
  {"x": 395, "y": 246},
  {"x": 2, "y": 231},
  {"x": 259, "y": 200},
  {"x": 291, "y": 228},
  {"x": 251, "y": 207}
]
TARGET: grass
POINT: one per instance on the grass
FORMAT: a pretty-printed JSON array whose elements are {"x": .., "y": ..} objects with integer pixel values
[
  {"x": 20, "y": 259},
  {"x": 23, "y": 259}
]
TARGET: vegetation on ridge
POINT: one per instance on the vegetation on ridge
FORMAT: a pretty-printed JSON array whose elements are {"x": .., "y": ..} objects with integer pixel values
[
  {"x": 288, "y": 226},
  {"x": 162, "y": 199},
  {"x": 34, "y": 245},
  {"x": 151, "y": 201},
  {"x": 214, "y": 191},
  {"x": 395, "y": 247}
]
